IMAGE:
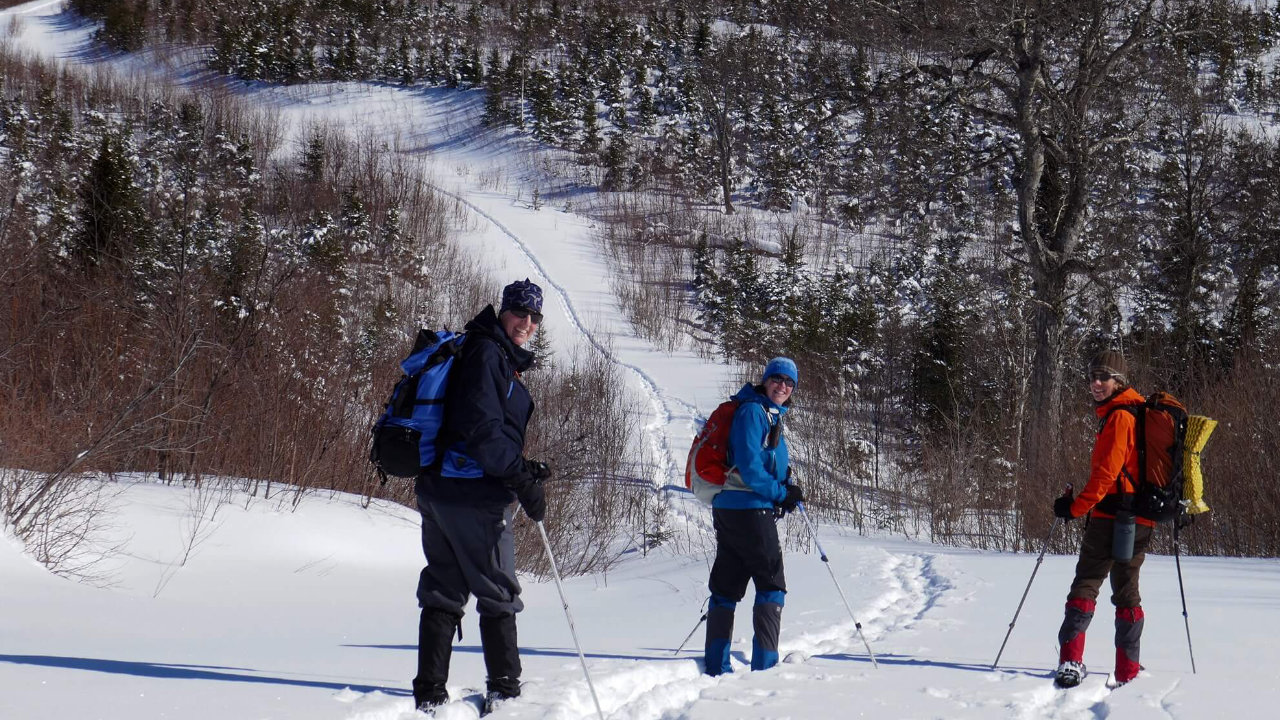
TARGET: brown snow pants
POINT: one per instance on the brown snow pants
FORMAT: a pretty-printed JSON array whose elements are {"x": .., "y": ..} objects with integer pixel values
[{"x": 1096, "y": 563}]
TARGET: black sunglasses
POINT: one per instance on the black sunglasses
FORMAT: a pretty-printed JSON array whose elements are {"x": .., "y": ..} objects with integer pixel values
[
  {"x": 784, "y": 380},
  {"x": 523, "y": 313},
  {"x": 1100, "y": 376}
]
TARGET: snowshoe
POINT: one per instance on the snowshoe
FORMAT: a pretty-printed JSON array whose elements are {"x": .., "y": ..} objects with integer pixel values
[{"x": 1069, "y": 674}]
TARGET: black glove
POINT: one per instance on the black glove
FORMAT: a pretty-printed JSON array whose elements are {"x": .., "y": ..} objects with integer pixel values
[
  {"x": 1185, "y": 521},
  {"x": 527, "y": 485},
  {"x": 539, "y": 471},
  {"x": 1062, "y": 507},
  {"x": 794, "y": 497},
  {"x": 533, "y": 500}
]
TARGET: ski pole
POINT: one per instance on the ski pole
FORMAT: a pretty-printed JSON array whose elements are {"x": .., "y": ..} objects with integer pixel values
[
  {"x": 1177, "y": 561},
  {"x": 823, "y": 554},
  {"x": 555, "y": 573},
  {"x": 1043, "y": 549},
  {"x": 691, "y": 632},
  {"x": 1039, "y": 560}
]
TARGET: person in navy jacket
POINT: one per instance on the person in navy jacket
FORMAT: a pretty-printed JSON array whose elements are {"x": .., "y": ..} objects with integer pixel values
[
  {"x": 756, "y": 492},
  {"x": 466, "y": 499}
]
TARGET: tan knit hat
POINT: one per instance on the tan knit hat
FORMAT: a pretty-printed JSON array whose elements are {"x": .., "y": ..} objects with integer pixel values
[{"x": 1111, "y": 361}]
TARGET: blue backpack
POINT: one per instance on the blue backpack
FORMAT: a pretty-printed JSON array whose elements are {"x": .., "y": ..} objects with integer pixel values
[{"x": 405, "y": 437}]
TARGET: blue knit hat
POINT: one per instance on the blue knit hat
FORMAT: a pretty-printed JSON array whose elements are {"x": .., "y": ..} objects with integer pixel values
[
  {"x": 781, "y": 366},
  {"x": 521, "y": 294}
]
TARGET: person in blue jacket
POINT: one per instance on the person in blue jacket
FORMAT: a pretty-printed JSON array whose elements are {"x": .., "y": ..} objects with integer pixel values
[
  {"x": 756, "y": 492},
  {"x": 465, "y": 499}
]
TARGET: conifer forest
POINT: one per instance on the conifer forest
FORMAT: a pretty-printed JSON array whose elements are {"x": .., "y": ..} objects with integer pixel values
[{"x": 940, "y": 208}]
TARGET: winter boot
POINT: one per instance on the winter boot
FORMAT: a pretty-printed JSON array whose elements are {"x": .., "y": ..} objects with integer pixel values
[
  {"x": 1129, "y": 622},
  {"x": 499, "y": 690},
  {"x": 719, "y": 635},
  {"x": 425, "y": 700},
  {"x": 435, "y": 647},
  {"x": 766, "y": 617}
]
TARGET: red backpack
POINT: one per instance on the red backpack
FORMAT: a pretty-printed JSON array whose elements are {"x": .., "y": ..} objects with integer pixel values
[
  {"x": 1160, "y": 434},
  {"x": 708, "y": 463}
]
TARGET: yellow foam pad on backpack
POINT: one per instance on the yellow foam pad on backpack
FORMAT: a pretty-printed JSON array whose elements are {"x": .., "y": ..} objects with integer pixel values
[{"x": 1199, "y": 428}]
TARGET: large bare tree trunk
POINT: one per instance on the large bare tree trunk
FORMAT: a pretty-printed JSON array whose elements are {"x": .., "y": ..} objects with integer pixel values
[
  {"x": 1055, "y": 168},
  {"x": 1061, "y": 75}
]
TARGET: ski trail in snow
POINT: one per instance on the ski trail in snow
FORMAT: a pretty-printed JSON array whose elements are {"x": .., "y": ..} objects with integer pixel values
[
  {"x": 1090, "y": 699},
  {"x": 1047, "y": 701},
  {"x": 667, "y": 479},
  {"x": 660, "y": 403},
  {"x": 1163, "y": 701},
  {"x": 653, "y": 691},
  {"x": 32, "y": 9},
  {"x": 914, "y": 587}
]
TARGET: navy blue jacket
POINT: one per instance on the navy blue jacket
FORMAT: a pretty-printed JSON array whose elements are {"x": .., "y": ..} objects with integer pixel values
[
  {"x": 758, "y": 474},
  {"x": 486, "y": 412}
]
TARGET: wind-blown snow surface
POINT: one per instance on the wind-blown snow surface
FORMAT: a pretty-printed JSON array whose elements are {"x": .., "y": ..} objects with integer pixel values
[{"x": 310, "y": 614}]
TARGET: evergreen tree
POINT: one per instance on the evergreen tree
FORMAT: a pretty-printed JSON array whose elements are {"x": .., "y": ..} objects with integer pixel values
[
  {"x": 747, "y": 306},
  {"x": 616, "y": 159},
  {"x": 646, "y": 111},
  {"x": 314, "y": 157},
  {"x": 1185, "y": 254},
  {"x": 589, "y": 144},
  {"x": 542, "y": 349},
  {"x": 112, "y": 228},
  {"x": 939, "y": 387}
]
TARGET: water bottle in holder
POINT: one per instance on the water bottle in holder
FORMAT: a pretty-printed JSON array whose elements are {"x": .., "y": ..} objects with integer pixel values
[{"x": 1122, "y": 536}]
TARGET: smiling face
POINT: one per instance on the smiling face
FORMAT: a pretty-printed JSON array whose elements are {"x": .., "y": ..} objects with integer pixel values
[
  {"x": 519, "y": 329},
  {"x": 778, "y": 388},
  {"x": 1102, "y": 385}
]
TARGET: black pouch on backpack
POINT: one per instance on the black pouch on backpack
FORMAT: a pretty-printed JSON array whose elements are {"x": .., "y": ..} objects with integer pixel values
[{"x": 395, "y": 450}]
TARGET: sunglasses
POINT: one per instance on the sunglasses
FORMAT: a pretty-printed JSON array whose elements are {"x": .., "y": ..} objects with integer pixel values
[
  {"x": 784, "y": 380},
  {"x": 1100, "y": 376},
  {"x": 523, "y": 313}
]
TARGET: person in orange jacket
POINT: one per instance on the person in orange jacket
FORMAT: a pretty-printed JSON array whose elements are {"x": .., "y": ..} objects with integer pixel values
[{"x": 1113, "y": 466}]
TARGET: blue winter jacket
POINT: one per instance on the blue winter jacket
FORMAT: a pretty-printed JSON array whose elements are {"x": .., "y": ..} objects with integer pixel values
[{"x": 758, "y": 474}]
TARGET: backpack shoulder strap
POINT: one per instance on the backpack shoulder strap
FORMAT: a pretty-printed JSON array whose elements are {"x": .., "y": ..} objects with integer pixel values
[
  {"x": 1132, "y": 408},
  {"x": 1139, "y": 433}
]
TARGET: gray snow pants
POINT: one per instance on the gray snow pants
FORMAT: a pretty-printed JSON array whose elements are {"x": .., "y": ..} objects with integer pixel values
[{"x": 470, "y": 551}]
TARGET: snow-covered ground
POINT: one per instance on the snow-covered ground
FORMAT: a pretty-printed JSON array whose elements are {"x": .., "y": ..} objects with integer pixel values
[{"x": 309, "y": 613}]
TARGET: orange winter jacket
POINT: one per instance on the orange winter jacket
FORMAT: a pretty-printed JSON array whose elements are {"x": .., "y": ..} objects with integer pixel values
[{"x": 1115, "y": 460}]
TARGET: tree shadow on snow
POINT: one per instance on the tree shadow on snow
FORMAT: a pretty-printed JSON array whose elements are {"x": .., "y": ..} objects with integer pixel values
[
  {"x": 908, "y": 661},
  {"x": 662, "y": 654},
  {"x": 184, "y": 672}
]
